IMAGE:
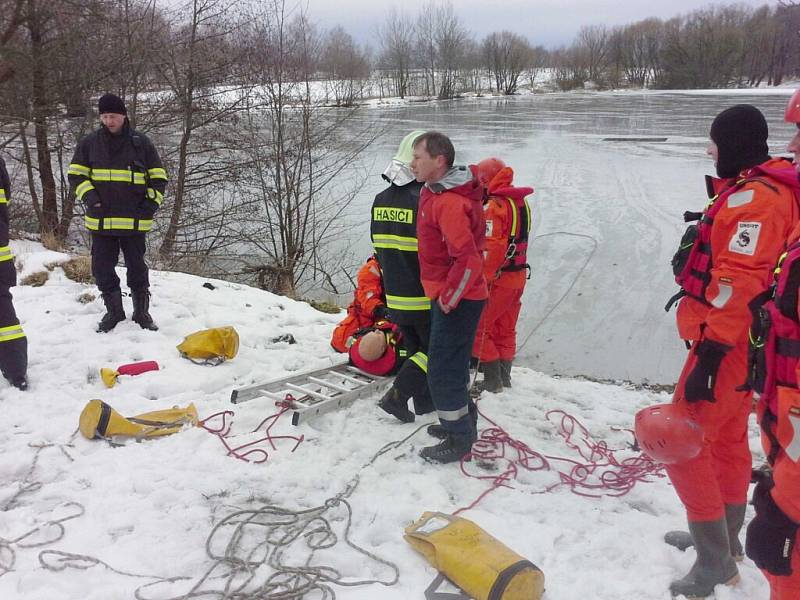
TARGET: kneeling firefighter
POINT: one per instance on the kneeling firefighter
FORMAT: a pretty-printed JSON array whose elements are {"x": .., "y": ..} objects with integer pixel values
[
  {"x": 774, "y": 361},
  {"x": 723, "y": 263}
]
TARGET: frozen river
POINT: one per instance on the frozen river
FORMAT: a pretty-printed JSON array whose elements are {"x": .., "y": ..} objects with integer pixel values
[{"x": 607, "y": 215}]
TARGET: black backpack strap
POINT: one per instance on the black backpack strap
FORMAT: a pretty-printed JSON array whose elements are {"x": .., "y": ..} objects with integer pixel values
[{"x": 681, "y": 293}]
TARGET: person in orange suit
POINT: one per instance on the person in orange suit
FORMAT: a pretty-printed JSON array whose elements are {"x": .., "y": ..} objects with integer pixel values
[
  {"x": 732, "y": 254},
  {"x": 508, "y": 223},
  {"x": 367, "y": 307},
  {"x": 772, "y": 535}
]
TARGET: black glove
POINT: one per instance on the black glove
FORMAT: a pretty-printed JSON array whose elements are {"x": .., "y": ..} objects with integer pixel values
[
  {"x": 700, "y": 383},
  {"x": 771, "y": 534},
  {"x": 379, "y": 314},
  {"x": 147, "y": 209}
]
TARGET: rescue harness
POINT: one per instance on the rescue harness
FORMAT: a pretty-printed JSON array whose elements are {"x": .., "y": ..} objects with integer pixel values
[
  {"x": 516, "y": 258},
  {"x": 774, "y": 341},
  {"x": 692, "y": 263}
]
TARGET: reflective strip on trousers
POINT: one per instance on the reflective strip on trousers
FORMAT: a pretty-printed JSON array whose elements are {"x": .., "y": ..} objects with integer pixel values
[
  {"x": 395, "y": 242},
  {"x": 118, "y": 223},
  {"x": 453, "y": 415},
  {"x": 157, "y": 173},
  {"x": 14, "y": 332},
  {"x": 408, "y": 302},
  {"x": 5, "y": 253},
  {"x": 84, "y": 187},
  {"x": 3, "y": 197},
  {"x": 421, "y": 360}
]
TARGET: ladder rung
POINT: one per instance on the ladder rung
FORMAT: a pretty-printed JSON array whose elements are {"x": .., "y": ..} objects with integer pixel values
[
  {"x": 329, "y": 384},
  {"x": 347, "y": 377},
  {"x": 313, "y": 394}
]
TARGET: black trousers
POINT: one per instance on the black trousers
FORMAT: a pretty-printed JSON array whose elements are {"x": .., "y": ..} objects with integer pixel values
[
  {"x": 13, "y": 352},
  {"x": 412, "y": 378},
  {"x": 105, "y": 254}
]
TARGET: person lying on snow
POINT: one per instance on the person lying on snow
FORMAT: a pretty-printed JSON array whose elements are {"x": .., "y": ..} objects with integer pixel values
[{"x": 367, "y": 307}]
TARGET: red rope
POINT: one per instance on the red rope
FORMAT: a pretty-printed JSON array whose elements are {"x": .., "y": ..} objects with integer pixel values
[
  {"x": 223, "y": 431},
  {"x": 596, "y": 474}
]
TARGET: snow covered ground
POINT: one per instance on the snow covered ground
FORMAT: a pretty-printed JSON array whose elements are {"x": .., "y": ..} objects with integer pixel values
[{"x": 143, "y": 511}]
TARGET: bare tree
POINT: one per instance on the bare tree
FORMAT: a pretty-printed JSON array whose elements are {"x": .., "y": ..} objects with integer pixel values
[
  {"x": 507, "y": 56},
  {"x": 345, "y": 66},
  {"x": 451, "y": 38},
  {"x": 396, "y": 37},
  {"x": 195, "y": 67},
  {"x": 301, "y": 173}
]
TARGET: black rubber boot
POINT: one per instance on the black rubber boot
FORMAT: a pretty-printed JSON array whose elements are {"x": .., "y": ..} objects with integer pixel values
[
  {"x": 452, "y": 448},
  {"x": 141, "y": 308},
  {"x": 436, "y": 430},
  {"x": 491, "y": 378},
  {"x": 734, "y": 517},
  {"x": 114, "y": 312},
  {"x": 505, "y": 372},
  {"x": 396, "y": 405},
  {"x": 714, "y": 564}
]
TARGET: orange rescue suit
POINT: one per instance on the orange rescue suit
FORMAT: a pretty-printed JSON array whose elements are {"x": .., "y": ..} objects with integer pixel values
[
  {"x": 496, "y": 338},
  {"x": 367, "y": 299},
  {"x": 749, "y": 234}
]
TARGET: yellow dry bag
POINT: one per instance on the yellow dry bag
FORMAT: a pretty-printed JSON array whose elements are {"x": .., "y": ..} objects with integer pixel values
[
  {"x": 99, "y": 420},
  {"x": 472, "y": 559},
  {"x": 210, "y": 346}
]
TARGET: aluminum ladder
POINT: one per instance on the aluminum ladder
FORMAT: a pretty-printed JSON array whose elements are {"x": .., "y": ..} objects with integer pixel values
[{"x": 316, "y": 392}]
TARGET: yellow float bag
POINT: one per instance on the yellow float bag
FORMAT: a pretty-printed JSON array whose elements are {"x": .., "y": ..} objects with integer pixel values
[
  {"x": 99, "y": 420},
  {"x": 472, "y": 559},
  {"x": 210, "y": 346}
]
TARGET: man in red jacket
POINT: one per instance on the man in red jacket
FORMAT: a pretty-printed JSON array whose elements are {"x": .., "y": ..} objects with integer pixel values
[{"x": 450, "y": 230}]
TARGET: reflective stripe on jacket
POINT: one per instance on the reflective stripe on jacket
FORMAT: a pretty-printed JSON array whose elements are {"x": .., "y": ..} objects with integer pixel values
[
  {"x": 119, "y": 179},
  {"x": 393, "y": 230}
]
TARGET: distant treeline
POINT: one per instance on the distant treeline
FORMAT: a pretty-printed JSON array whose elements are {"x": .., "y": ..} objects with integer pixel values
[{"x": 245, "y": 99}]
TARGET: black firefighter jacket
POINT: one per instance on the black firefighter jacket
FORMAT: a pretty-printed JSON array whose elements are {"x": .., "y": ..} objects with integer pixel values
[{"x": 119, "y": 179}]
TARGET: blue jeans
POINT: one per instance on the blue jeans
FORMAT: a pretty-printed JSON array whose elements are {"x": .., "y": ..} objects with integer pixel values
[{"x": 450, "y": 348}]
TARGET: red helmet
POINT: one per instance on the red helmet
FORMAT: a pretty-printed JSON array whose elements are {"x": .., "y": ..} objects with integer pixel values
[
  {"x": 487, "y": 169},
  {"x": 667, "y": 434},
  {"x": 792, "y": 114}
]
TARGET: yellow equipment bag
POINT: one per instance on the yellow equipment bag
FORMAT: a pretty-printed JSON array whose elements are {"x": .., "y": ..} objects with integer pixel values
[
  {"x": 210, "y": 346},
  {"x": 99, "y": 420},
  {"x": 472, "y": 559}
]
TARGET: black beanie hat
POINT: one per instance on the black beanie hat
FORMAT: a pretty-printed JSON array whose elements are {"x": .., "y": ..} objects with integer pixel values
[
  {"x": 740, "y": 133},
  {"x": 110, "y": 103}
]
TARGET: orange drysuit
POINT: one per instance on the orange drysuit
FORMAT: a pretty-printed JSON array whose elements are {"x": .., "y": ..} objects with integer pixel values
[
  {"x": 496, "y": 338},
  {"x": 367, "y": 299},
  {"x": 748, "y": 235},
  {"x": 785, "y": 431}
]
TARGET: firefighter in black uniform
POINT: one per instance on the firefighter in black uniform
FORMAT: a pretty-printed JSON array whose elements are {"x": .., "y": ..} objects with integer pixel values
[
  {"x": 117, "y": 174},
  {"x": 13, "y": 343},
  {"x": 393, "y": 228}
]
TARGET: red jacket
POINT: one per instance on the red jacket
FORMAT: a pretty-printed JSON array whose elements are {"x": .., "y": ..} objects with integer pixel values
[{"x": 451, "y": 233}]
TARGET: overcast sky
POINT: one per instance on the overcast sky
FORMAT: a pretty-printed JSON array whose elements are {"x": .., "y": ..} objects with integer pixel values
[{"x": 550, "y": 23}]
